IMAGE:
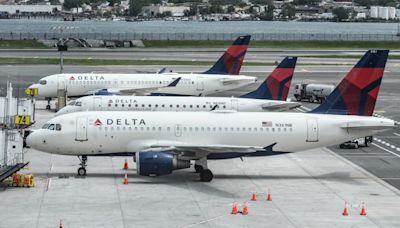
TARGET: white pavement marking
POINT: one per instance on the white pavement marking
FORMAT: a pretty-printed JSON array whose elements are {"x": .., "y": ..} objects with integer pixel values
[
  {"x": 386, "y": 150},
  {"x": 396, "y": 134}
]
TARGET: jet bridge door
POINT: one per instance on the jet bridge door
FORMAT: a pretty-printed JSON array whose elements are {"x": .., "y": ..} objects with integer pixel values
[
  {"x": 97, "y": 103},
  {"x": 200, "y": 84},
  {"x": 61, "y": 83},
  {"x": 312, "y": 130},
  {"x": 81, "y": 129}
]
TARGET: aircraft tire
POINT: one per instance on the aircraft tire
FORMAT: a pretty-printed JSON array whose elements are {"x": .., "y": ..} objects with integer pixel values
[
  {"x": 206, "y": 175},
  {"x": 81, "y": 171}
]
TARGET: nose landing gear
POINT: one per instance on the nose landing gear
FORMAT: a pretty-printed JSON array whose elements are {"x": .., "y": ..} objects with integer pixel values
[{"x": 82, "y": 169}]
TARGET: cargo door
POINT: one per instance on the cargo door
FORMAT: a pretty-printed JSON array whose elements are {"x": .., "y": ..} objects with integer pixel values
[
  {"x": 234, "y": 104},
  {"x": 178, "y": 130},
  {"x": 81, "y": 129},
  {"x": 312, "y": 130},
  {"x": 200, "y": 84},
  {"x": 97, "y": 103}
]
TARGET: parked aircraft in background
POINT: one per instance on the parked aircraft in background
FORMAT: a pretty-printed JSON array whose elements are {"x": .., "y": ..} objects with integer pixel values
[
  {"x": 271, "y": 95},
  {"x": 218, "y": 78},
  {"x": 165, "y": 141}
]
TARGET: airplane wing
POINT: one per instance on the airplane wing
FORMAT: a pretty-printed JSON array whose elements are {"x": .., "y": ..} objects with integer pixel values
[
  {"x": 149, "y": 90},
  {"x": 280, "y": 107},
  {"x": 363, "y": 126}
]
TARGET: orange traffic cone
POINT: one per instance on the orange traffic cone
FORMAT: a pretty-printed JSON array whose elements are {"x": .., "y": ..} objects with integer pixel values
[
  {"x": 269, "y": 197},
  {"x": 126, "y": 165},
  {"x": 345, "y": 210},
  {"x": 245, "y": 210},
  {"x": 60, "y": 224},
  {"x": 234, "y": 209},
  {"x": 254, "y": 196},
  {"x": 126, "y": 179},
  {"x": 363, "y": 212}
]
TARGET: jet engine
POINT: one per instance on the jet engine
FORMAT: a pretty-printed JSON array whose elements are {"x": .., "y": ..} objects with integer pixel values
[{"x": 158, "y": 163}]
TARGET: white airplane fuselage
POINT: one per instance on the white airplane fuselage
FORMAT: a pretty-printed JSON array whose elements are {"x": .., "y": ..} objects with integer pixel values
[
  {"x": 166, "y": 103},
  {"x": 77, "y": 84},
  {"x": 107, "y": 133}
]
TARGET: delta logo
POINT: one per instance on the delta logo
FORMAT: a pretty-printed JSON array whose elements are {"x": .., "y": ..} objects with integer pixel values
[
  {"x": 72, "y": 78},
  {"x": 97, "y": 123}
]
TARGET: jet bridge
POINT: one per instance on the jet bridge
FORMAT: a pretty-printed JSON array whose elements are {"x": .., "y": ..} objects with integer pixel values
[{"x": 16, "y": 114}]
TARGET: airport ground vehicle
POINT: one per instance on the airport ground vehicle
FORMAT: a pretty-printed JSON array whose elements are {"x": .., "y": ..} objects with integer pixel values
[
  {"x": 356, "y": 143},
  {"x": 312, "y": 92}
]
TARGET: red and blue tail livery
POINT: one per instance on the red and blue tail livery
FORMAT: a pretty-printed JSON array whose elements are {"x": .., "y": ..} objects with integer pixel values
[
  {"x": 276, "y": 85},
  {"x": 357, "y": 92},
  {"x": 231, "y": 61}
]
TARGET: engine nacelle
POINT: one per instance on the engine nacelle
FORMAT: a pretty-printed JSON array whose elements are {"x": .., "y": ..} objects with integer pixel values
[{"x": 158, "y": 163}]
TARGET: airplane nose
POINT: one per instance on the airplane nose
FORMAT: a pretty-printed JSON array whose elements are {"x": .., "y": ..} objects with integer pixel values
[{"x": 32, "y": 140}]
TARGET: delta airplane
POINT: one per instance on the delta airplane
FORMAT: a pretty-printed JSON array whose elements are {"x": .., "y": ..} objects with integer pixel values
[
  {"x": 165, "y": 141},
  {"x": 271, "y": 95},
  {"x": 218, "y": 78}
]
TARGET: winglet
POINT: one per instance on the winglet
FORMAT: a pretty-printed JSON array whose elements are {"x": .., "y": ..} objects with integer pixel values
[
  {"x": 276, "y": 85},
  {"x": 174, "y": 83},
  {"x": 357, "y": 92},
  {"x": 231, "y": 61},
  {"x": 162, "y": 70}
]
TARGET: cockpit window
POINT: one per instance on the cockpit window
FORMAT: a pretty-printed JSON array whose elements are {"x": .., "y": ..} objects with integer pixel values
[
  {"x": 45, "y": 126},
  {"x": 71, "y": 103},
  {"x": 78, "y": 103},
  {"x": 51, "y": 127},
  {"x": 58, "y": 127},
  {"x": 42, "y": 82}
]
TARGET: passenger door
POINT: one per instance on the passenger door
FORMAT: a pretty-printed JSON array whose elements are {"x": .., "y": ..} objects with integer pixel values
[
  {"x": 97, "y": 104},
  {"x": 61, "y": 85},
  {"x": 81, "y": 129},
  {"x": 312, "y": 130},
  {"x": 200, "y": 83},
  {"x": 234, "y": 104},
  {"x": 178, "y": 130}
]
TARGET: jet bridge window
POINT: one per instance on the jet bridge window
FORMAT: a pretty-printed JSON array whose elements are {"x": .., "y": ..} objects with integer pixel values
[{"x": 42, "y": 82}]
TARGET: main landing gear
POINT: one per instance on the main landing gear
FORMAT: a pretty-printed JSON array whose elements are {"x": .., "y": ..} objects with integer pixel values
[
  {"x": 200, "y": 167},
  {"x": 82, "y": 169}
]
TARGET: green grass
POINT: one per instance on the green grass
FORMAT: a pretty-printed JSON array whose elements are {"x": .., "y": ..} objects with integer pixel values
[
  {"x": 274, "y": 44},
  {"x": 21, "y": 44}
]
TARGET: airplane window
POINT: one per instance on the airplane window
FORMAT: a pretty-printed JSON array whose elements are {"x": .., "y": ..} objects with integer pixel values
[
  {"x": 198, "y": 106},
  {"x": 192, "y": 82},
  {"x": 160, "y": 82},
  {"x": 249, "y": 128},
  {"x": 135, "y": 128},
  {"x": 224, "y": 106},
  {"x": 214, "y": 128},
  {"x": 123, "y": 128},
  {"x": 244, "y": 129},
  {"x": 290, "y": 129},
  {"x": 226, "y": 129},
  {"x": 170, "y": 106},
  {"x": 273, "y": 129},
  {"x": 190, "y": 129},
  {"x": 163, "y": 106},
  {"x": 284, "y": 129},
  {"x": 148, "y": 128},
  {"x": 177, "y": 106},
  {"x": 191, "y": 106},
  {"x": 267, "y": 129},
  {"x": 99, "y": 128},
  {"x": 184, "y": 128},
  {"x": 116, "y": 105},
  {"x": 112, "y": 128},
  {"x": 261, "y": 129},
  {"x": 122, "y": 105},
  {"x": 168, "y": 128},
  {"x": 208, "y": 128},
  {"x": 117, "y": 129},
  {"x": 211, "y": 106},
  {"x": 204, "y": 106},
  {"x": 142, "y": 105},
  {"x": 105, "y": 128},
  {"x": 184, "y": 106},
  {"x": 78, "y": 103},
  {"x": 154, "y": 128},
  {"x": 51, "y": 127},
  {"x": 220, "y": 129},
  {"x": 196, "y": 128},
  {"x": 156, "y": 105},
  {"x": 159, "y": 128},
  {"x": 42, "y": 82},
  {"x": 109, "y": 105},
  {"x": 58, "y": 127},
  {"x": 129, "y": 105},
  {"x": 45, "y": 126},
  {"x": 279, "y": 129},
  {"x": 141, "y": 128},
  {"x": 255, "y": 129},
  {"x": 149, "y": 105}
]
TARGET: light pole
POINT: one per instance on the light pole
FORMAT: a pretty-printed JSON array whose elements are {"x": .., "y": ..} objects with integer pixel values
[{"x": 61, "y": 44}]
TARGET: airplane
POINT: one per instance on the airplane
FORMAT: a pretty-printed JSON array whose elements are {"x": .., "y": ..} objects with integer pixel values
[
  {"x": 165, "y": 141},
  {"x": 271, "y": 95},
  {"x": 218, "y": 78}
]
